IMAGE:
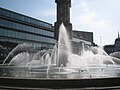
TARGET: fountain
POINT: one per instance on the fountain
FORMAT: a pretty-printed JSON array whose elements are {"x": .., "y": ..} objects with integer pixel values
[{"x": 45, "y": 68}]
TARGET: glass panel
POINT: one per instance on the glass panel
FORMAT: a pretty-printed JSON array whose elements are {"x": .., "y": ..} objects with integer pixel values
[{"x": 1, "y": 31}]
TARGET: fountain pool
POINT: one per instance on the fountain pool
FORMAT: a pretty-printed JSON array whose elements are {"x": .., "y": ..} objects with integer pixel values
[{"x": 60, "y": 63}]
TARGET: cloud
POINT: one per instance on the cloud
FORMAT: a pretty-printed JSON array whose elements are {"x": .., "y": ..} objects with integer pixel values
[
  {"x": 85, "y": 17},
  {"x": 94, "y": 16},
  {"x": 89, "y": 20}
]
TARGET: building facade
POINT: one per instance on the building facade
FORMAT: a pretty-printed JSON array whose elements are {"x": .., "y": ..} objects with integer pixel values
[
  {"x": 16, "y": 28},
  {"x": 117, "y": 45},
  {"x": 113, "y": 48},
  {"x": 86, "y": 37},
  {"x": 81, "y": 39},
  {"x": 109, "y": 48}
]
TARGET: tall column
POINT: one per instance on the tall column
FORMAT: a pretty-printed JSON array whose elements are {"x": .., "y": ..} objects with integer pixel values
[{"x": 63, "y": 15}]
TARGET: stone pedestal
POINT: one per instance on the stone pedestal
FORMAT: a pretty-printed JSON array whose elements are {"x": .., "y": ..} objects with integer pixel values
[{"x": 63, "y": 16}]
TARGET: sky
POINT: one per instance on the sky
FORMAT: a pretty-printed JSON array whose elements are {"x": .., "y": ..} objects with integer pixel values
[{"x": 102, "y": 17}]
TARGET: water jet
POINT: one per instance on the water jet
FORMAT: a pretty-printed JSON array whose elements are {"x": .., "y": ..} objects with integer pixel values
[{"x": 43, "y": 69}]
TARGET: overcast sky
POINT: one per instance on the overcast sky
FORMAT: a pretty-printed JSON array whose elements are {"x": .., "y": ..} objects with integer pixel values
[{"x": 102, "y": 17}]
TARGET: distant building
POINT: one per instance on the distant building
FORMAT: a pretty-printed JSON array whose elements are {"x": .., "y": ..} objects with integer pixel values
[
  {"x": 81, "y": 38},
  {"x": 109, "y": 48},
  {"x": 117, "y": 44},
  {"x": 113, "y": 48},
  {"x": 85, "y": 37},
  {"x": 16, "y": 28}
]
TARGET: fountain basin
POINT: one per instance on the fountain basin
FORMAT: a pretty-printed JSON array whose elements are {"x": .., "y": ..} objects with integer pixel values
[
  {"x": 36, "y": 83},
  {"x": 58, "y": 78}
]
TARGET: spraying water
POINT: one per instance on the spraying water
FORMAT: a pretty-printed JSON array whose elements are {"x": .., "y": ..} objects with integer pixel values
[
  {"x": 64, "y": 46},
  {"x": 61, "y": 58}
]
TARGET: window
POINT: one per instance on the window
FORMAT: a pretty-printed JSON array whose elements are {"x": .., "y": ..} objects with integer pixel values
[
  {"x": 12, "y": 15},
  {"x": 1, "y": 31},
  {"x": 1, "y": 22}
]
